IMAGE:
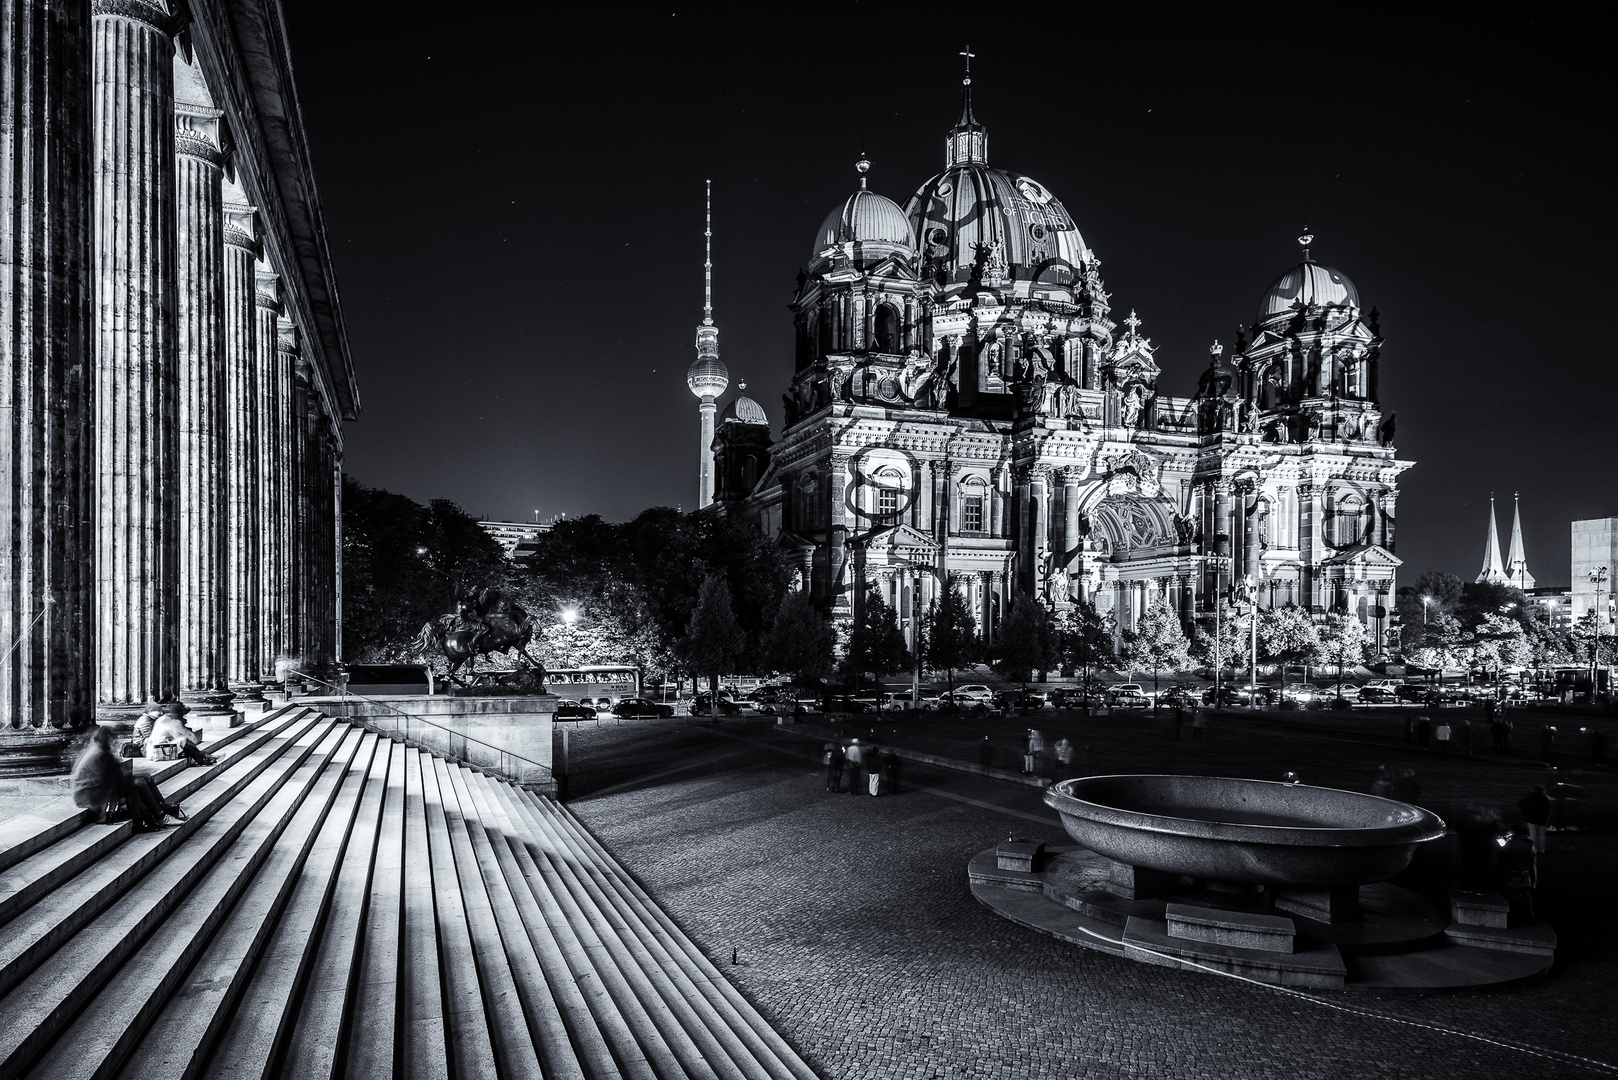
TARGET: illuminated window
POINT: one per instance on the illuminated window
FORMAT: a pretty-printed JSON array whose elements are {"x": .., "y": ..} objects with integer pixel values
[{"x": 887, "y": 501}]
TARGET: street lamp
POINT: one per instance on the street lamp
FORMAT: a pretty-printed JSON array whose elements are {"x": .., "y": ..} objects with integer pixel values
[
  {"x": 1598, "y": 577},
  {"x": 1425, "y": 602}
]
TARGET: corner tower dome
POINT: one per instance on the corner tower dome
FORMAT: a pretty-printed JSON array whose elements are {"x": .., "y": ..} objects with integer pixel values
[
  {"x": 867, "y": 219},
  {"x": 745, "y": 410},
  {"x": 1308, "y": 283}
]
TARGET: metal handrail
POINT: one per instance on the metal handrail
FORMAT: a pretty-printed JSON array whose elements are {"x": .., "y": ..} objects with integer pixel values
[{"x": 343, "y": 690}]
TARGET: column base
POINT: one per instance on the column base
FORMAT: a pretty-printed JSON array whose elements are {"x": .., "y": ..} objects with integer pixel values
[
  {"x": 27, "y": 753},
  {"x": 210, "y": 709},
  {"x": 120, "y": 716},
  {"x": 247, "y": 692}
]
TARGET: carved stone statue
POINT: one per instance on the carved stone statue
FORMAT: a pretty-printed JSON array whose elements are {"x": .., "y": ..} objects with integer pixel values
[
  {"x": 1384, "y": 432},
  {"x": 1129, "y": 410},
  {"x": 483, "y": 622}
]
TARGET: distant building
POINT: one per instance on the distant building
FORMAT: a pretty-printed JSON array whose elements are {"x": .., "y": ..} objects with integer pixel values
[
  {"x": 1595, "y": 548},
  {"x": 1556, "y": 604},
  {"x": 519, "y": 539}
]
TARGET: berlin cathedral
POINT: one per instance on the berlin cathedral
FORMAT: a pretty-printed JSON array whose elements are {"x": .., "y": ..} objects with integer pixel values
[{"x": 967, "y": 411}]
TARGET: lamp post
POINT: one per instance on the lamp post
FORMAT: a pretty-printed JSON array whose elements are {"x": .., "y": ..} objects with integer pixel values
[
  {"x": 1598, "y": 577},
  {"x": 569, "y": 617},
  {"x": 1425, "y": 602},
  {"x": 1219, "y": 561}
]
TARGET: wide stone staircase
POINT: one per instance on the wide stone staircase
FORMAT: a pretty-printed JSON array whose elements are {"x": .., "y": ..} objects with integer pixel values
[{"x": 339, "y": 904}]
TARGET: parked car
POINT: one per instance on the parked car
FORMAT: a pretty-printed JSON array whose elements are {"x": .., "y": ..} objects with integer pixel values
[
  {"x": 1377, "y": 695},
  {"x": 568, "y": 709},
  {"x": 846, "y": 704},
  {"x": 1018, "y": 699},
  {"x": 1300, "y": 693},
  {"x": 1390, "y": 685},
  {"x": 1128, "y": 696},
  {"x": 1413, "y": 692},
  {"x": 634, "y": 707},
  {"x": 910, "y": 701},
  {"x": 1076, "y": 697},
  {"x": 702, "y": 705},
  {"x": 1347, "y": 690}
]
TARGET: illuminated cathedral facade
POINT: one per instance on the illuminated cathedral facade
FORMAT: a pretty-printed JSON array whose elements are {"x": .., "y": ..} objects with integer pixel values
[{"x": 968, "y": 410}]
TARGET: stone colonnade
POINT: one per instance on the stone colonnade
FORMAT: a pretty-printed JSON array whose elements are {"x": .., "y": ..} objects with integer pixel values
[{"x": 169, "y": 524}]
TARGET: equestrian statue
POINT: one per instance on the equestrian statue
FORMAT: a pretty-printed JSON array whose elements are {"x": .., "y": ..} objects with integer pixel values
[{"x": 484, "y": 621}]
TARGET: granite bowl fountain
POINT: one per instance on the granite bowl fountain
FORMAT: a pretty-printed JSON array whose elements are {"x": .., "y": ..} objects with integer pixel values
[{"x": 1255, "y": 832}]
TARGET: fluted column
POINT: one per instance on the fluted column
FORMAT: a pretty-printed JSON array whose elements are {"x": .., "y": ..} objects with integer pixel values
[
  {"x": 268, "y": 395},
  {"x": 243, "y": 521},
  {"x": 200, "y": 354},
  {"x": 293, "y": 453},
  {"x": 337, "y": 554},
  {"x": 137, "y": 451},
  {"x": 46, "y": 336}
]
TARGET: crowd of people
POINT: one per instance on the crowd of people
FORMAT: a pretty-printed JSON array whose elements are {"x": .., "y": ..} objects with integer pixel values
[
  {"x": 104, "y": 779},
  {"x": 860, "y": 768}
]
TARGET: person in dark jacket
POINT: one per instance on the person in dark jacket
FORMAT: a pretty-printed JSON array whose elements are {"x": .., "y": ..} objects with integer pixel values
[
  {"x": 833, "y": 760},
  {"x": 853, "y": 758},
  {"x": 100, "y": 783},
  {"x": 1536, "y": 811},
  {"x": 890, "y": 771},
  {"x": 985, "y": 753}
]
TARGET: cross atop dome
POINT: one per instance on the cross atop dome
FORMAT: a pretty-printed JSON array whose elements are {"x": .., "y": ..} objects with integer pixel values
[
  {"x": 1304, "y": 240},
  {"x": 968, "y": 143},
  {"x": 1133, "y": 322}
]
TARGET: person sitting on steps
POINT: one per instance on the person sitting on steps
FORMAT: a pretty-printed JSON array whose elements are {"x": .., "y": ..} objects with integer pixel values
[
  {"x": 160, "y": 727},
  {"x": 104, "y": 783}
]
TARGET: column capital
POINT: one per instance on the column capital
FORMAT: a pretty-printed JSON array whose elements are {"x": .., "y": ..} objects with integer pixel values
[
  {"x": 157, "y": 14},
  {"x": 286, "y": 337},
  {"x": 196, "y": 134},
  {"x": 240, "y": 226},
  {"x": 268, "y": 291}
]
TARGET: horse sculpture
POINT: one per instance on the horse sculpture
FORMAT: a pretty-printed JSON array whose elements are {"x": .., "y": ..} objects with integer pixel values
[{"x": 484, "y": 622}]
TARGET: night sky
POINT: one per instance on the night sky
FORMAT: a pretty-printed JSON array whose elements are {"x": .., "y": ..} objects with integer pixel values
[{"x": 515, "y": 213}]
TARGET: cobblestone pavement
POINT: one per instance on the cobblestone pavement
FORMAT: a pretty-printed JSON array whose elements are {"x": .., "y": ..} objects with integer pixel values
[{"x": 858, "y": 939}]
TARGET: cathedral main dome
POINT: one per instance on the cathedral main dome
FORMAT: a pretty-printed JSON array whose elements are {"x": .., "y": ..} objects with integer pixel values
[
  {"x": 970, "y": 212},
  {"x": 1311, "y": 284}
]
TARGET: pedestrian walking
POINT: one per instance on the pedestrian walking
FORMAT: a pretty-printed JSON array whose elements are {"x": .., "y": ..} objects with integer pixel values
[
  {"x": 890, "y": 771},
  {"x": 1463, "y": 738},
  {"x": 1518, "y": 868},
  {"x": 873, "y": 771},
  {"x": 1410, "y": 730},
  {"x": 1424, "y": 732},
  {"x": 1547, "y": 740},
  {"x": 832, "y": 758},
  {"x": 1199, "y": 723},
  {"x": 852, "y": 759},
  {"x": 1441, "y": 736},
  {"x": 1179, "y": 718},
  {"x": 1382, "y": 786},
  {"x": 1064, "y": 756},
  {"x": 1028, "y": 752},
  {"x": 1536, "y": 811},
  {"x": 985, "y": 753}
]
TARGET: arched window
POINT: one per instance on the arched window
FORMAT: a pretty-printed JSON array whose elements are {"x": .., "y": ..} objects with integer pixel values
[
  {"x": 887, "y": 329},
  {"x": 808, "y": 515},
  {"x": 1349, "y": 521}
]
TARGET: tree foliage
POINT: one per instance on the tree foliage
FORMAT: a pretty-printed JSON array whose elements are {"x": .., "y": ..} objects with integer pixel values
[
  {"x": 1287, "y": 635},
  {"x": 800, "y": 641},
  {"x": 713, "y": 640},
  {"x": 949, "y": 633},
  {"x": 876, "y": 645},
  {"x": 402, "y": 563},
  {"x": 1085, "y": 637},
  {"x": 1027, "y": 642},
  {"x": 1344, "y": 641},
  {"x": 1157, "y": 643}
]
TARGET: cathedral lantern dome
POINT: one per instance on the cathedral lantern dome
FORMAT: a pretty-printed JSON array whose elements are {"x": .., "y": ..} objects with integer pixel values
[
  {"x": 745, "y": 410},
  {"x": 1309, "y": 284},
  {"x": 866, "y": 218}
]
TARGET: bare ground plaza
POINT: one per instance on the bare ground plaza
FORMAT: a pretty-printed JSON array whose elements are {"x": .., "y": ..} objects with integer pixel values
[{"x": 856, "y": 935}]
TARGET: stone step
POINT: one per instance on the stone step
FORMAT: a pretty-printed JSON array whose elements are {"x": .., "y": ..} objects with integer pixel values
[
  {"x": 610, "y": 1040},
  {"x": 39, "y": 850},
  {"x": 1536, "y": 939},
  {"x": 721, "y": 1040},
  {"x": 769, "y": 1046},
  {"x": 41, "y": 1005},
  {"x": 422, "y": 1026},
  {"x": 263, "y": 937},
  {"x": 547, "y": 1031},
  {"x": 1219, "y": 926},
  {"x": 667, "y": 1046},
  {"x": 202, "y": 949},
  {"x": 1317, "y": 965},
  {"x": 510, "y": 1039},
  {"x": 310, "y": 1030},
  {"x": 368, "y": 1047},
  {"x": 25, "y": 834},
  {"x": 54, "y": 918}
]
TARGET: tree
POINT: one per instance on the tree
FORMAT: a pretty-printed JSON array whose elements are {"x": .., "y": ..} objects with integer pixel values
[
  {"x": 1586, "y": 633},
  {"x": 876, "y": 645},
  {"x": 949, "y": 633},
  {"x": 713, "y": 640},
  {"x": 1287, "y": 635},
  {"x": 1086, "y": 637},
  {"x": 1234, "y": 631},
  {"x": 1343, "y": 641},
  {"x": 1501, "y": 643},
  {"x": 1441, "y": 644},
  {"x": 1157, "y": 643},
  {"x": 800, "y": 642},
  {"x": 1027, "y": 641}
]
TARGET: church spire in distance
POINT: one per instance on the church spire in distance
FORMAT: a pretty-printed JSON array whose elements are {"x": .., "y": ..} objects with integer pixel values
[
  {"x": 1492, "y": 570},
  {"x": 968, "y": 142},
  {"x": 1516, "y": 559}
]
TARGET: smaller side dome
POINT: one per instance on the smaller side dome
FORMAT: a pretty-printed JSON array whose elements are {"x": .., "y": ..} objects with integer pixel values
[
  {"x": 865, "y": 217},
  {"x": 1312, "y": 284},
  {"x": 745, "y": 410}
]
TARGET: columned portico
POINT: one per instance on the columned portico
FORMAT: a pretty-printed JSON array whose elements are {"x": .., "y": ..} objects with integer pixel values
[{"x": 137, "y": 449}]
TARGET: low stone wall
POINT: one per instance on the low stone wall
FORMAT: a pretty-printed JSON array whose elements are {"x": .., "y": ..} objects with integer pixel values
[{"x": 509, "y": 737}]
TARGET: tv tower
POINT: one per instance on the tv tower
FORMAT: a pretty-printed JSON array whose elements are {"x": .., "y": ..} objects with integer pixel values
[{"x": 707, "y": 376}]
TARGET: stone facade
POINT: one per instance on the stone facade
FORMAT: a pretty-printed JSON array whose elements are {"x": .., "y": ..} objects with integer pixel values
[
  {"x": 966, "y": 409},
  {"x": 160, "y": 221}
]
